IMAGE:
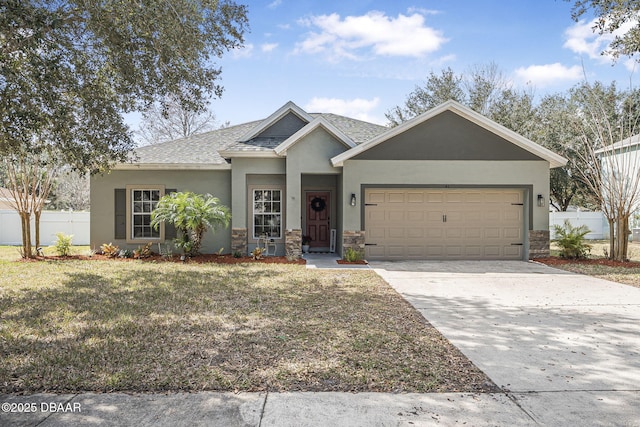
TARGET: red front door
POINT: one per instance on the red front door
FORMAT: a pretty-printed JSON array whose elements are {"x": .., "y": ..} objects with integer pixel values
[{"x": 318, "y": 221}]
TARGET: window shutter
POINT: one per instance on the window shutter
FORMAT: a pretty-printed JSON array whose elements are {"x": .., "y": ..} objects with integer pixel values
[
  {"x": 170, "y": 232},
  {"x": 120, "y": 213}
]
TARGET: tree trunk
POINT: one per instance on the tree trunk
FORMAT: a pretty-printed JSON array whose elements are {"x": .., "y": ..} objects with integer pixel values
[
  {"x": 612, "y": 237},
  {"x": 27, "y": 250},
  {"x": 37, "y": 230}
]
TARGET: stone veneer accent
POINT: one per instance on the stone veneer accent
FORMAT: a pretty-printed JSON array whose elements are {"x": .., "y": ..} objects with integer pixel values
[
  {"x": 538, "y": 244},
  {"x": 293, "y": 243},
  {"x": 239, "y": 240},
  {"x": 353, "y": 239}
]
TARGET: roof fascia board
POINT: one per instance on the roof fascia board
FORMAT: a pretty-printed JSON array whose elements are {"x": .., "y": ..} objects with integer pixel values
[
  {"x": 281, "y": 149},
  {"x": 273, "y": 118},
  {"x": 255, "y": 154},
  {"x": 172, "y": 166},
  {"x": 554, "y": 159}
]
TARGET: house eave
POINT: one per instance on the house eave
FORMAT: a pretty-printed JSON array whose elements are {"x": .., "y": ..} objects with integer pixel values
[
  {"x": 248, "y": 154},
  {"x": 172, "y": 166}
]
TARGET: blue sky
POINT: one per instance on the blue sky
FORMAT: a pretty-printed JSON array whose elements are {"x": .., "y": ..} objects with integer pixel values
[{"x": 361, "y": 58}]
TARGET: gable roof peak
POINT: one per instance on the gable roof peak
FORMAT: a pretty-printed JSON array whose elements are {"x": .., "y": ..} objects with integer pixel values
[
  {"x": 289, "y": 107},
  {"x": 467, "y": 113}
]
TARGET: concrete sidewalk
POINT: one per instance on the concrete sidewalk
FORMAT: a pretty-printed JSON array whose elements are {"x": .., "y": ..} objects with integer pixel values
[{"x": 272, "y": 409}]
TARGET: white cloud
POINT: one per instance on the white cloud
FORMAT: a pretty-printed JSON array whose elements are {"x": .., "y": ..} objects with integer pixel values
[
  {"x": 582, "y": 39},
  {"x": 274, "y": 4},
  {"x": 357, "y": 108},
  {"x": 381, "y": 34},
  {"x": 244, "y": 52},
  {"x": 269, "y": 47},
  {"x": 545, "y": 75}
]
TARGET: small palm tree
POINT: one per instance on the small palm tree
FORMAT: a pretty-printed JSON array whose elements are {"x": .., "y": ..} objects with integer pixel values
[{"x": 192, "y": 215}]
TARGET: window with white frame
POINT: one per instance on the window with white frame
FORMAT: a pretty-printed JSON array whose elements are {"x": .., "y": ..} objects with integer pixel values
[
  {"x": 267, "y": 213},
  {"x": 143, "y": 202}
]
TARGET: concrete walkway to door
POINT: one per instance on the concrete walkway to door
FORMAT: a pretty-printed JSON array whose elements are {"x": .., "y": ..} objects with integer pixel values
[{"x": 564, "y": 347}]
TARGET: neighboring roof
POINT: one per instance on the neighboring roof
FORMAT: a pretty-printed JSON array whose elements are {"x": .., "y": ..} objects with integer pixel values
[
  {"x": 554, "y": 159},
  {"x": 632, "y": 141}
]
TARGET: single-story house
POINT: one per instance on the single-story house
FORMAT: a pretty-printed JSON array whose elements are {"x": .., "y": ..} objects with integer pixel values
[{"x": 448, "y": 184}]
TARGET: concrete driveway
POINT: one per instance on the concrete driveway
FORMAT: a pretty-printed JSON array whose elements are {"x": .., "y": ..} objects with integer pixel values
[{"x": 564, "y": 347}]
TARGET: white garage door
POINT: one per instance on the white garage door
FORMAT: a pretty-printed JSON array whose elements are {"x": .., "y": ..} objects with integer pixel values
[{"x": 415, "y": 223}]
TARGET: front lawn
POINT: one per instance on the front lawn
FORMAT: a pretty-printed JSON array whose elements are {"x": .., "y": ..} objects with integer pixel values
[
  {"x": 68, "y": 326},
  {"x": 596, "y": 265}
]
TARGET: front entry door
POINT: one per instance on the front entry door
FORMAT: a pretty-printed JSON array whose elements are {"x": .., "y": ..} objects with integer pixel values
[{"x": 318, "y": 220}]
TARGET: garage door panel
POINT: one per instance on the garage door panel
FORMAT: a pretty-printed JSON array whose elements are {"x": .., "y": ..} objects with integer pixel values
[
  {"x": 415, "y": 216},
  {"x": 396, "y": 217},
  {"x": 375, "y": 196},
  {"x": 512, "y": 233},
  {"x": 415, "y": 233},
  {"x": 377, "y": 233},
  {"x": 396, "y": 233},
  {"x": 415, "y": 197},
  {"x": 416, "y": 251},
  {"x": 444, "y": 223},
  {"x": 395, "y": 197}
]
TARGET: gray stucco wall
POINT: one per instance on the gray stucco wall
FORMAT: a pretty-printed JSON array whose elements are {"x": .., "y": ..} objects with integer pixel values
[
  {"x": 358, "y": 173},
  {"x": 241, "y": 168},
  {"x": 447, "y": 137},
  {"x": 217, "y": 183},
  {"x": 311, "y": 155}
]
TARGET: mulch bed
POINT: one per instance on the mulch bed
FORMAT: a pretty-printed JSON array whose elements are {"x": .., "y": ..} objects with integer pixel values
[
  {"x": 200, "y": 259},
  {"x": 588, "y": 261},
  {"x": 362, "y": 262}
]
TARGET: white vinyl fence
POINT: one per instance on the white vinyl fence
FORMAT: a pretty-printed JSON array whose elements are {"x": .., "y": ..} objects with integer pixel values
[
  {"x": 51, "y": 222},
  {"x": 596, "y": 222}
]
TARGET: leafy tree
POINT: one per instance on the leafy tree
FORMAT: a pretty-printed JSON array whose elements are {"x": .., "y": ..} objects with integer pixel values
[
  {"x": 612, "y": 15},
  {"x": 555, "y": 129},
  {"x": 437, "y": 89},
  {"x": 69, "y": 69},
  {"x": 192, "y": 215},
  {"x": 70, "y": 191},
  {"x": 173, "y": 121}
]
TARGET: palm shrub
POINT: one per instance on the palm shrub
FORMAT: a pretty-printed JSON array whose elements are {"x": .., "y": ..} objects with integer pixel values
[
  {"x": 572, "y": 240},
  {"x": 192, "y": 215}
]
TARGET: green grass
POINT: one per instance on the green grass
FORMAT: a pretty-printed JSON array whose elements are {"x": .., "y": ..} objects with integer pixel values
[{"x": 68, "y": 326}]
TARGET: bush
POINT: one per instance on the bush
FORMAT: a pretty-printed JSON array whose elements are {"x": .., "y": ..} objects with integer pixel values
[
  {"x": 63, "y": 244},
  {"x": 572, "y": 240},
  {"x": 352, "y": 255},
  {"x": 110, "y": 250}
]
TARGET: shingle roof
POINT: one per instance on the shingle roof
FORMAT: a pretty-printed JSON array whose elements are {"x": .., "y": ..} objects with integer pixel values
[
  {"x": 205, "y": 148},
  {"x": 197, "y": 149}
]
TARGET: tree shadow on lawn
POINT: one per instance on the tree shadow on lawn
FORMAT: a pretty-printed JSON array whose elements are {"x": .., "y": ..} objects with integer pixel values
[{"x": 231, "y": 328}]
